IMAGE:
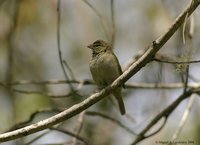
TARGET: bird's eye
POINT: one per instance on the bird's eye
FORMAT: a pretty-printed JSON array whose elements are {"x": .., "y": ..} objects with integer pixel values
[{"x": 97, "y": 44}]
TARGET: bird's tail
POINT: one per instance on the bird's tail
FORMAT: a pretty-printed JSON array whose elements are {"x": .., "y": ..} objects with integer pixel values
[{"x": 118, "y": 95}]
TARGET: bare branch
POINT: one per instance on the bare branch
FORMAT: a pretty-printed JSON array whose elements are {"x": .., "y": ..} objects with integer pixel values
[
  {"x": 191, "y": 100},
  {"x": 165, "y": 113},
  {"x": 71, "y": 134},
  {"x": 90, "y": 82},
  {"x": 184, "y": 25},
  {"x": 78, "y": 127},
  {"x": 59, "y": 42},
  {"x": 70, "y": 70},
  {"x": 47, "y": 82},
  {"x": 176, "y": 62},
  {"x": 32, "y": 117},
  {"x": 93, "y": 113},
  {"x": 102, "y": 21},
  {"x": 134, "y": 68},
  {"x": 158, "y": 130},
  {"x": 191, "y": 29},
  {"x": 37, "y": 137},
  {"x": 185, "y": 116},
  {"x": 113, "y": 33}
]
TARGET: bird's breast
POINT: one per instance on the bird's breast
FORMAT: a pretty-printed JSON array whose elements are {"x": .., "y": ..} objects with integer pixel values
[{"x": 104, "y": 69}]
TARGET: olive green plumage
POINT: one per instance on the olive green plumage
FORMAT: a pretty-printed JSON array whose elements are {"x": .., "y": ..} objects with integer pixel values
[{"x": 105, "y": 68}]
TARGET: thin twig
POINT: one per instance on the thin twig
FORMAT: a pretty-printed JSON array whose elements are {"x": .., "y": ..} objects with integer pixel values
[
  {"x": 186, "y": 77},
  {"x": 59, "y": 42},
  {"x": 70, "y": 70},
  {"x": 176, "y": 62},
  {"x": 102, "y": 21},
  {"x": 191, "y": 100},
  {"x": 69, "y": 94},
  {"x": 90, "y": 82},
  {"x": 184, "y": 117},
  {"x": 165, "y": 113},
  {"x": 37, "y": 137},
  {"x": 71, "y": 134},
  {"x": 184, "y": 26},
  {"x": 63, "y": 95},
  {"x": 159, "y": 129},
  {"x": 14, "y": 11},
  {"x": 78, "y": 127},
  {"x": 32, "y": 117},
  {"x": 94, "y": 98},
  {"x": 189, "y": 53},
  {"x": 93, "y": 113},
  {"x": 191, "y": 29},
  {"x": 130, "y": 118},
  {"x": 47, "y": 82},
  {"x": 113, "y": 33}
]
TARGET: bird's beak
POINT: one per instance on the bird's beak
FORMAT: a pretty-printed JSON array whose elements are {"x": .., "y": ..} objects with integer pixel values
[{"x": 90, "y": 46}]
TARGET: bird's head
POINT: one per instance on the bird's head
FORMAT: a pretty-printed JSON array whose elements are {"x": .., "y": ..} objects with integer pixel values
[{"x": 99, "y": 46}]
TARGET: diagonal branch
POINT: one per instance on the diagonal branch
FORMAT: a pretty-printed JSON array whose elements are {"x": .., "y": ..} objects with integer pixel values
[
  {"x": 165, "y": 113},
  {"x": 133, "y": 69},
  {"x": 184, "y": 117}
]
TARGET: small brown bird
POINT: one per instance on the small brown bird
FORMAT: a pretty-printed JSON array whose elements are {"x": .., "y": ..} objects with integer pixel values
[{"x": 105, "y": 68}]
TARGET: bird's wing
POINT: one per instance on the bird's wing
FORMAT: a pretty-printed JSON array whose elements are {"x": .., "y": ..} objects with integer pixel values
[{"x": 119, "y": 68}]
